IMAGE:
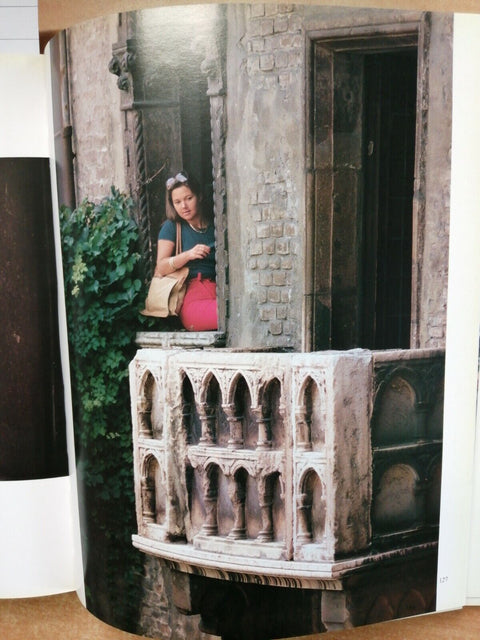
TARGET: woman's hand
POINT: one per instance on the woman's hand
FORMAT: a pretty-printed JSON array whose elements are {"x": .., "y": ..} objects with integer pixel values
[
  {"x": 198, "y": 252},
  {"x": 167, "y": 261}
]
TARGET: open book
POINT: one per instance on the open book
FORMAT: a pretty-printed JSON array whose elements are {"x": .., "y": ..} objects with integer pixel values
[{"x": 299, "y": 466}]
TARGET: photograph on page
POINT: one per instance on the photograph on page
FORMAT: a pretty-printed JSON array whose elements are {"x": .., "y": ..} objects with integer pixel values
[
  {"x": 37, "y": 495},
  {"x": 258, "y": 437},
  {"x": 32, "y": 429}
]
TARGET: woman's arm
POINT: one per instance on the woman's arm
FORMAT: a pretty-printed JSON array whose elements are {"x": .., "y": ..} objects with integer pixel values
[{"x": 167, "y": 262}]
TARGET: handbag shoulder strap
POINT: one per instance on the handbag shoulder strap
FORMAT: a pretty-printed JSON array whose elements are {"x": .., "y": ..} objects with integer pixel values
[{"x": 178, "y": 246}]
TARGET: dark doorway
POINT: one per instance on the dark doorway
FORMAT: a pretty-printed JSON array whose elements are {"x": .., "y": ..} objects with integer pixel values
[
  {"x": 390, "y": 108},
  {"x": 364, "y": 123}
]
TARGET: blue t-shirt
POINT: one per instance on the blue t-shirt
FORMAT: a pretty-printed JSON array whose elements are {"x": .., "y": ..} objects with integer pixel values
[{"x": 190, "y": 238}]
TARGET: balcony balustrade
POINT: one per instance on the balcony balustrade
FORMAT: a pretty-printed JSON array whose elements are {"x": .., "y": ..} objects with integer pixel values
[{"x": 286, "y": 468}]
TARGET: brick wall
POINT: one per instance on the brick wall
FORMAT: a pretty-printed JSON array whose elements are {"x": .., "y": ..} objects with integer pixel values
[
  {"x": 267, "y": 170},
  {"x": 158, "y": 618},
  {"x": 266, "y": 129}
]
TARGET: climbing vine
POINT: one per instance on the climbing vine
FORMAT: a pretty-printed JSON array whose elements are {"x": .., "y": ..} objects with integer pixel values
[{"x": 103, "y": 291}]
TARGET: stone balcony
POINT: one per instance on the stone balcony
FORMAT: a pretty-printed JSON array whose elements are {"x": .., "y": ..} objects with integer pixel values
[{"x": 288, "y": 469}]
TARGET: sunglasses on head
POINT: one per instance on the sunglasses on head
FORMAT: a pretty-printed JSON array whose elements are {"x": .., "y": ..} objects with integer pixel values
[{"x": 180, "y": 177}]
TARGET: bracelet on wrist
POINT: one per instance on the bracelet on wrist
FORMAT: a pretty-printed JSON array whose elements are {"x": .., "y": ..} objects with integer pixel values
[{"x": 171, "y": 262}]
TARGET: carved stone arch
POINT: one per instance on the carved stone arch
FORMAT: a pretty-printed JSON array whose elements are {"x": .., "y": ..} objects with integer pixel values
[
  {"x": 397, "y": 499},
  {"x": 205, "y": 385},
  {"x": 153, "y": 489},
  {"x": 399, "y": 408},
  {"x": 311, "y": 508},
  {"x": 232, "y": 387},
  {"x": 380, "y": 611},
  {"x": 235, "y": 414},
  {"x": 411, "y": 604},
  {"x": 148, "y": 456},
  {"x": 145, "y": 404},
  {"x": 241, "y": 414},
  {"x": 210, "y": 410},
  {"x": 310, "y": 426},
  {"x": 271, "y": 428},
  {"x": 191, "y": 422},
  {"x": 250, "y": 467}
]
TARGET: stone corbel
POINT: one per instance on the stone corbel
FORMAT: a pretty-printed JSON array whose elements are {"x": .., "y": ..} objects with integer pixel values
[
  {"x": 121, "y": 64},
  {"x": 211, "y": 64},
  {"x": 335, "y": 611}
]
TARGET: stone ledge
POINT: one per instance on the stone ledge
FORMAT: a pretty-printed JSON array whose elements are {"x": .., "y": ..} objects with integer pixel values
[
  {"x": 305, "y": 575},
  {"x": 184, "y": 339},
  {"x": 251, "y": 549}
]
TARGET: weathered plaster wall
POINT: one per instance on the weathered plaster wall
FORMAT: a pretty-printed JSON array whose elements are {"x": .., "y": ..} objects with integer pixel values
[
  {"x": 95, "y": 107},
  {"x": 267, "y": 168},
  {"x": 265, "y": 174},
  {"x": 432, "y": 248}
]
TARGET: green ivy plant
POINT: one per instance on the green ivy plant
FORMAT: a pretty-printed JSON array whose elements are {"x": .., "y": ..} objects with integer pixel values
[{"x": 103, "y": 292}]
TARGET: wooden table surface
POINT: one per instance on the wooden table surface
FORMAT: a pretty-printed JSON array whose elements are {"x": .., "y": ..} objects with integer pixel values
[{"x": 63, "y": 617}]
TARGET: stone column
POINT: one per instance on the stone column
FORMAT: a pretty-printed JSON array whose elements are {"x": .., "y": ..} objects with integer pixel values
[
  {"x": 187, "y": 421},
  {"x": 144, "y": 409},
  {"x": 148, "y": 499},
  {"x": 265, "y": 494},
  {"x": 206, "y": 413},
  {"x": 263, "y": 425},
  {"x": 210, "y": 496},
  {"x": 303, "y": 426},
  {"x": 235, "y": 427},
  {"x": 238, "y": 494},
  {"x": 304, "y": 511}
]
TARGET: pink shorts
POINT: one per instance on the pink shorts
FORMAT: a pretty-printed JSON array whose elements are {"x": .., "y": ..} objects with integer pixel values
[{"x": 199, "y": 309}]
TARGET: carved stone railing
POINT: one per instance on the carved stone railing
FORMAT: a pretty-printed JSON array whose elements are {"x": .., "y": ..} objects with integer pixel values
[{"x": 286, "y": 468}]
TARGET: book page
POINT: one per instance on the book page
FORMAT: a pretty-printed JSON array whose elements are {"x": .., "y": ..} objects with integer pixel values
[
  {"x": 473, "y": 562},
  {"x": 18, "y": 26},
  {"x": 249, "y": 103},
  {"x": 39, "y": 533},
  {"x": 456, "y": 558}
]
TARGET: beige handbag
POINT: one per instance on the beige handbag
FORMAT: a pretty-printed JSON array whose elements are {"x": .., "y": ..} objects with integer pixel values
[{"x": 166, "y": 293}]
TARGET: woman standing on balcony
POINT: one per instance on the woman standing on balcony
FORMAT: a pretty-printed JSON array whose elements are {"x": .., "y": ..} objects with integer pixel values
[{"x": 184, "y": 205}]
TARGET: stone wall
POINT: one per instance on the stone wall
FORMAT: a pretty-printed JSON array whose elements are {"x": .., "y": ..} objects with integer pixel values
[
  {"x": 432, "y": 237},
  {"x": 268, "y": 194},
  {"x": 265, "y": 174},
  {"x": 158, "y": 618},
  {"x": 95, "y": 110},
  {"x": 267, "y": 168}
]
